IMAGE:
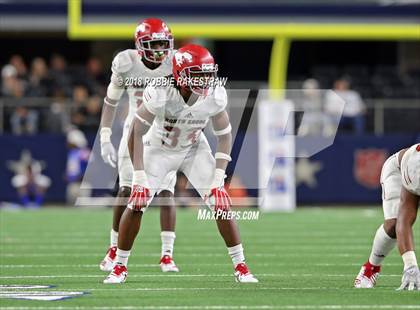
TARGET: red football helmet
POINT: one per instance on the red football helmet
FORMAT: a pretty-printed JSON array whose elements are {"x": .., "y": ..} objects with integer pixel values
[
  {"x": 153, "y": 39},
  {"x": 193, "y": 67}
]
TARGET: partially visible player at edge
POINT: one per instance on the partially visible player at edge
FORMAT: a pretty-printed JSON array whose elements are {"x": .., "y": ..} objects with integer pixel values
[
  {"x": 151, "y": 59},
  {"x": 400, "y": 180},
  {"x": 167, "y": 136}
]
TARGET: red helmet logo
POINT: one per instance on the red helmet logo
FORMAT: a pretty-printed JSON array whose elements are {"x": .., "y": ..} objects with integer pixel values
[
  {"x": 153, "y": 39},
  {"x": 193, "y": 67}
]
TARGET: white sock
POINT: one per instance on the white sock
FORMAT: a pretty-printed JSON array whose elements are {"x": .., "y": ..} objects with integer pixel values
[
  {"x": 168, "y": 239},
  {"x": 114, "y": 238},
  {"x": 122, "y": 257},
  {"x": 382, "y": 246},
  {"x": 237, "y": 254}
]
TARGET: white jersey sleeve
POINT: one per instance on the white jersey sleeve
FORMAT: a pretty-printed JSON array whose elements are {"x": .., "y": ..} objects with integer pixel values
[{"x": 220, "y": 100}]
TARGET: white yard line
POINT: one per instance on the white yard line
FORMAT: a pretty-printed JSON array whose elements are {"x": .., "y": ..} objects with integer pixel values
[
  {"x": 59, "y": 254},
  {"x": 220, "y": 307},
  {"x": 185, "y": 275},
  {"x": 18, "y": 266},
  {"x": 281, "y": 248},
  {"x": 160, "y": 289}
]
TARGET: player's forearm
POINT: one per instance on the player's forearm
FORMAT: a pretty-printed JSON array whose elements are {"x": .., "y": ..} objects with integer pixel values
[
  {"x": 223, "y": 158},
  {"x": 406, "y": 218},
  {"x": 135, "y": 144},
  {"x": 108, "y": 113},
  {"x": 113, "y": 95},
  {"x": 224, "y": 146}
]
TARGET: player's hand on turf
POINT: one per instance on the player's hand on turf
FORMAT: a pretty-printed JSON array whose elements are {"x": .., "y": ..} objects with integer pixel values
[
  {"x": 410, "y": 279},
  {"x": 108, "y": 153},
  {"x": 139, "y": 197},
  {"x": 220, "y": 199}
]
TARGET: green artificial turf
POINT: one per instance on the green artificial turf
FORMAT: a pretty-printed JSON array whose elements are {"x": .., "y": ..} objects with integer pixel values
[{"x": 304, "y": 260}]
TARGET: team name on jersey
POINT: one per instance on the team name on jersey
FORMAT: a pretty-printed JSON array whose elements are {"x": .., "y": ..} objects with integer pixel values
[{"x": 181, "y": 121}]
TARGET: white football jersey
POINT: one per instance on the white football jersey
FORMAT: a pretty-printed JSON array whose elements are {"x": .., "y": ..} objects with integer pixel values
[
  {"x": 410, "y": 169},
  {"x": 177, "y": 125},
  {"x": 130, "y": 72}
]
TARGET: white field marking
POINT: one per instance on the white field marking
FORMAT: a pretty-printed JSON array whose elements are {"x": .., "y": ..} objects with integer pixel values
[
  {"x": 23, "y": 287},
  {"x": 84, "y": 266},
  {"x": 191, "y": 249},
  {"x": 102, "y": 246},
  {"x": 278, "y": 244},
  {"x": 219, "y": 307},
  {"x": 241, "y": 288},
  {"x": 189, "y": 264},
  {"x": 181, "y": 254},
  {"x": 86, "y": 234},
  {"x": 186, "y": 275},
  {"x": 94, "y": 234}
]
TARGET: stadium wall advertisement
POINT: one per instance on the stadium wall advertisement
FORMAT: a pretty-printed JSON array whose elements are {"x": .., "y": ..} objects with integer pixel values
[{"x": 346, "y": 172}]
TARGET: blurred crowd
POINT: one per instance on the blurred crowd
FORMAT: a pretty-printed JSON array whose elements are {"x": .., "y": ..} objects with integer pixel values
[
  {"x": 50, "y": 95},
  {"x": 325, "y": 112}
]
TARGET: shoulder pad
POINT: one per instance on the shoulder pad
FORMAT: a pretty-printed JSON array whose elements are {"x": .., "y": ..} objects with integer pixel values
[
  {"x": 123, "y": 62},
  {"x": 220, "y": 96},
  {"x": 154, "y": 98}
]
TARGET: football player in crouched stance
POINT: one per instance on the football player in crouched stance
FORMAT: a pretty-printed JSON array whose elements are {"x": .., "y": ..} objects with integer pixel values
[
  {"x": 400, "y": 180},
  {"x": 152, "y": 58},
  {"x": 410, "y": 197},
  {"x": 167, "y": 136}
]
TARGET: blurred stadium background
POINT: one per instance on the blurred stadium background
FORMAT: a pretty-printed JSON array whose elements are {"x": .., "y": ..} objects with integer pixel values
[{"x": 55, "y": 66}]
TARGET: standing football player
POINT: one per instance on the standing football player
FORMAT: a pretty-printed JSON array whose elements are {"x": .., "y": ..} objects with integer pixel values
[
  {"x": 167, "y": 136},
  {"x": 396, "y": 198},
  {"x": 130, "y": 69}
]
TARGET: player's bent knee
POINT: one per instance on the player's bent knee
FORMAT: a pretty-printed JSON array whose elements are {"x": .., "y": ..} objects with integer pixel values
[
  {"x": 124, "y": 191},
  {"x": 165, "y": 194},
  {"x": 166, "y": 200},
  {"x": 390, "y": 228}
]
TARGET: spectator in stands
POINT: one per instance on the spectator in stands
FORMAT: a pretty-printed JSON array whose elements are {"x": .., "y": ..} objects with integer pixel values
[
  {"x": 60, "y": 75},
  {"x": 92, "y": 116},
  {"x": 30, "y": 183},
  {"x": 21, "y": 68},
  {"x": 97, "y": 79},
  {"x": 78, "y": 111},
  {"x": 11, "y": 85},
  {"x": 24, "y": 121},
  {"x": 77, "y": 160},
  {"x": 313, "y": 118},
  {"x": 354, "y": 107},
  {"x": 39, "y": 81},
  {"x": 58, "y": 118}
]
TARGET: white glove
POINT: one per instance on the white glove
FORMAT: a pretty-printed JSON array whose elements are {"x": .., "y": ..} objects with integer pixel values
[
  {"x": 410, "y": 279},
  {"x": 108, "y": 152}
]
